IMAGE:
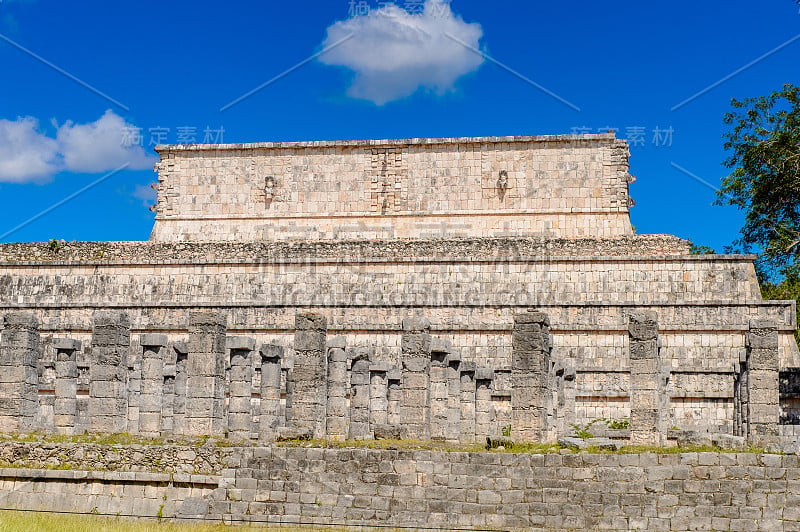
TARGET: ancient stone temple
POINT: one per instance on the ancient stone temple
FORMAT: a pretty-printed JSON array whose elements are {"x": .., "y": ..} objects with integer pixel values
[{"x": 447, "y": 289}]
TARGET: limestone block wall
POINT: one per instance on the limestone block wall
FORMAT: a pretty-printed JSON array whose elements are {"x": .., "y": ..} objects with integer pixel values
[
  {"x": 403, "y": 488},
  {"x": 563, "y": 185}
]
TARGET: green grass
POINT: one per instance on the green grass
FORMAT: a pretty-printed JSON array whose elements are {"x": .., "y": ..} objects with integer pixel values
[
  {"x": 527, "y": 448},
  {"x": 37, "y": 521},
  {"x": 412, "y": 445}
]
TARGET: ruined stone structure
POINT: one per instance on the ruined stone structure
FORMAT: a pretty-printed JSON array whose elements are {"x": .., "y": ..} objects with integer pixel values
[{"x": 446, "y": 289}]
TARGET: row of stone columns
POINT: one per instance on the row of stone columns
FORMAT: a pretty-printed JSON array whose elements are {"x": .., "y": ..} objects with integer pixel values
[
  {"x": 433, "y": 395},
  {"x": 179, "y": 391},
  {"x": 338, "y": 392}
]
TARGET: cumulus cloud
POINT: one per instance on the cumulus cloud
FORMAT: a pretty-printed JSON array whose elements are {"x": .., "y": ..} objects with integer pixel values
[
  {"x": 100, "y": 146},
  {"x": 28, "y": 154},
  {"x": 393, "y": 52}
]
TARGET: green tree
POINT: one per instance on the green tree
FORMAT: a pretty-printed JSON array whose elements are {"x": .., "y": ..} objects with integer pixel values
[
  {"x": 764, "y": 141},
  {"x": 696, "y": 249}
]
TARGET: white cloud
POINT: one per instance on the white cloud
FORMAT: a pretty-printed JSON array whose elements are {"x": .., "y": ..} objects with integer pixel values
[
  {"x": 393, "y": 52},
  {"x": 27, "y": 154},
  {"x": 146, "y": 193},
  {"x": 100, "y": 146}
]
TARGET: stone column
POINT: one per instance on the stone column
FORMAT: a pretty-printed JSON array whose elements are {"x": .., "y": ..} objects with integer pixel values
[
  {"x": 287, "y": 403},
  {"x": 359, "y": 394},
  {"x": 310, "y": 373},
  {"x": 83, "y": 361},
  {"x": 567, "y": 414},
  {"x": 134, "y": 387},
  {"x": 416, "y": 359},
  {"x": 205, "y": 370},
  {"x": 762, "y": 382},
  {"x": 438, "y": 388},
  {"x": 453, "y": 433},
  {"x": 484, "y": 418},
  {"x": 181, "y": 378},
  {"x": 646, "y": 387},
  {"x": 378, "y": 394},
  {"x": 108, "y": 373},
  {"x": 393, "y": 393},
  {"x": 151, "y": 397},
  {"x": 530, "y": 368},
  {"x": 65, "y": 407},
  {"x": 19, "y": 374},
  {"x": 269, "y": 418},
  {"x": 468, "y": 402},
  {"x": 168, "y": 391},
  {"x": 240, "y": 410},
  {"x": 337, "y": 415}
]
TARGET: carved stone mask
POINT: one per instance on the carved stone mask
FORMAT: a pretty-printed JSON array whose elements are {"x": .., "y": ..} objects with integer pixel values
[{"x": 502, "y": 181}]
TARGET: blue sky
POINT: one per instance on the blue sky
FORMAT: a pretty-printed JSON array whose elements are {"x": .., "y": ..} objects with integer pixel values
[{"x": 169, "y": 67}]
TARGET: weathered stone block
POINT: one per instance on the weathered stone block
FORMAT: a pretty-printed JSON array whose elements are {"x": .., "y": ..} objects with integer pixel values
[{"x": 153, "y": 340}]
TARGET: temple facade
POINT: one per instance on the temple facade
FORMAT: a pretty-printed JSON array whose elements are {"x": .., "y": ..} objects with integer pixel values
[{"x": 448, "y": 289}]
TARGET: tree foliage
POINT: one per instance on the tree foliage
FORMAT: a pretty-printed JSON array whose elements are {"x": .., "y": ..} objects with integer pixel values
[{"x": 764, "y": 141}]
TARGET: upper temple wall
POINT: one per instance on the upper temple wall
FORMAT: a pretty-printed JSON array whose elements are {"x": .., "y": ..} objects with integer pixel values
[{"x": 566, "y": 186}]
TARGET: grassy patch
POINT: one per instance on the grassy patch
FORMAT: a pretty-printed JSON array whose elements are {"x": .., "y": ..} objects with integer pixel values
[
  {"x": 411, "y": 445},
  {"x": 527, "y": 448}
]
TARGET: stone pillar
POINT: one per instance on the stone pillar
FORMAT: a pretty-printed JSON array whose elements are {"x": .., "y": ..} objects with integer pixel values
[
  {"x": 337, "y": 415},
  {"x": 168, "y": 391},
  {"x": 205, "y": 371},
  {"x": 19, "y": 374},
  {"x": 453, "y": 433},
  {"x": 287, "y": 403},
  {"x": 741, "y": 403},
  {"x": 566, "y": 400},
  {"x": 438, "y": 388},
  {"x": 44, "y": 420},
  {"x": 181, "y": 377},
  {"x": 151, "y": 397},
  {"x": 269, "y": 418},
  {"x": 393, "y": 393},
  {"x": 134, "y": 387},
  {"x": 359, "y": 394},
  {"x": 484, "y": 418},
  {"x": 647, "y": 392},
  {"x": 83, "y": 361},
  {"x": 309, "y": 375},
  {"x": 467, "y": 402},
  {"x": 530, "y": 368},
  {"x": 416, "y": 359},
  {"x": 378, "y": 394},
  {"x": 240, "y": 410},
  {"x": 762, "y": 381},
  {"x": 108, "y": 373},
  {"x": 65, "y": 407}
]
